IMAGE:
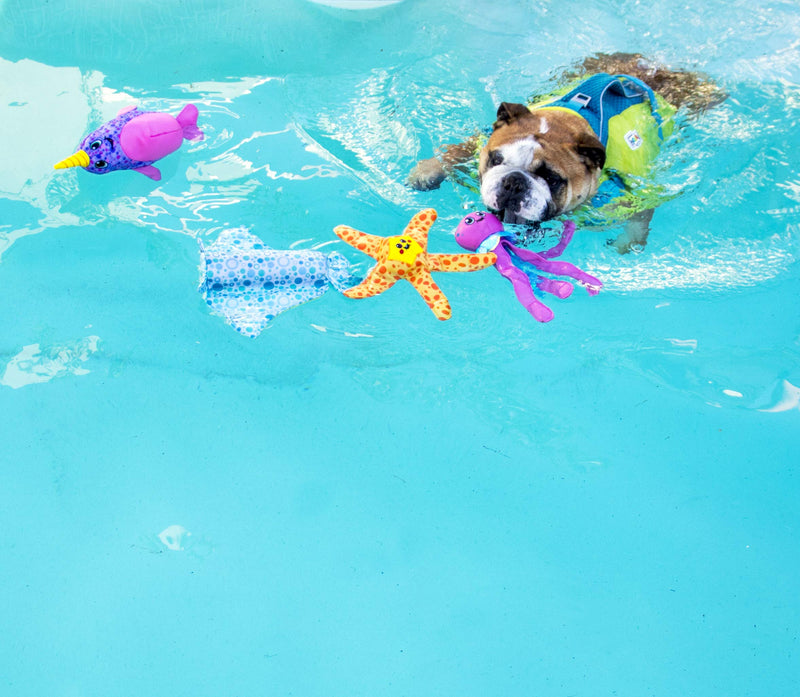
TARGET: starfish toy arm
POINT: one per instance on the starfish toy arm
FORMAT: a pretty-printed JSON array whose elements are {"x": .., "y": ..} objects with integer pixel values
[
  {"x": 431, "y": 294},
  {"x": 406, "y": 256},
  {"x": 369, "y": 244},
  {"x": 460, "y": 262},
  {"x": 374, "y": 284},
  {"x": 419, "y": 226}
]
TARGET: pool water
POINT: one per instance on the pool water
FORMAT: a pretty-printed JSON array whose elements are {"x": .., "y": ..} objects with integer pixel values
[{"x": 365, "y": 500}]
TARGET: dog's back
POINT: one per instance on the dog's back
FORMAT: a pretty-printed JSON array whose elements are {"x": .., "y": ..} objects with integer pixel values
[{"x": 681, "y": 88}]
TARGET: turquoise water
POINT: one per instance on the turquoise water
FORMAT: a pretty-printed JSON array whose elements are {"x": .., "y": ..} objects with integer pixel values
[{"x": 365, "y": 500}]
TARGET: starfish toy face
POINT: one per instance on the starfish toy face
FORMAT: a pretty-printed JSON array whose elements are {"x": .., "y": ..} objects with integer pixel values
[
  {"x": 406, "y": 256},
  {"x": 403, "y": 249}
]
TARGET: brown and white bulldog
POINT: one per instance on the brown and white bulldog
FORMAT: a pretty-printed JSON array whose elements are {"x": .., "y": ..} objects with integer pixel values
[{"x": 540, "y": 164}]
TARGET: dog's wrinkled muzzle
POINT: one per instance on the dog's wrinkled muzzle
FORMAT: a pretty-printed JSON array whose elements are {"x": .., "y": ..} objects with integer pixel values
[{"x": 514, "y": 188}]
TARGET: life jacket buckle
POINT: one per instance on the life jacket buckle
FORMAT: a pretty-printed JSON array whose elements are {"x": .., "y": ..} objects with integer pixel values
[{"x": 582, "y": 100}]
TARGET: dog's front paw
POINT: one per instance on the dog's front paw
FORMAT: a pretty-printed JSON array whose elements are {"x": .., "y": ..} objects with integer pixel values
[
  {"x": 621, "y": 244},
  {"x": 634, "y": 237},
  {"x": 427, "y": 175}
]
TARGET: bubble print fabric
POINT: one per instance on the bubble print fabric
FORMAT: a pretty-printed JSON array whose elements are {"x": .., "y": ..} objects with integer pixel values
[{"x": 249, "y": 284}]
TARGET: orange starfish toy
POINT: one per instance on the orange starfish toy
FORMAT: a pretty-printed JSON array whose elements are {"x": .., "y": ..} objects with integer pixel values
[{"x": 406, "y": 256}]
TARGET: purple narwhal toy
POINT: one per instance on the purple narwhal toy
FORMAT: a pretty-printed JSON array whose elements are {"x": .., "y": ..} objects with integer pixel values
[
  {"x": 135, "y": 139},
  {"x": 483, "y": 232}
]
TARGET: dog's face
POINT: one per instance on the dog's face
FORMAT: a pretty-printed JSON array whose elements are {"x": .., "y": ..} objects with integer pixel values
[{"x": 539, "y": 164}]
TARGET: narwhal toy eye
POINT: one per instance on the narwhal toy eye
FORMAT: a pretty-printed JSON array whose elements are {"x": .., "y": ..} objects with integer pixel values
[
  {"x": 101, "y": 164},
  {"x": 95, "y": 144}
]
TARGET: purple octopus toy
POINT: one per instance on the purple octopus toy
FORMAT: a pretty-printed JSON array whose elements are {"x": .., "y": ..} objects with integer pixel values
[
  {"x": 483, "y": 232},
  {"x": 135, "y": 139}
]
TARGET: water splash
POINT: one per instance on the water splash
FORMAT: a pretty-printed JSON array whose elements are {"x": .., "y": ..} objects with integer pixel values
[
  {"x": 174, "y": 537},
  {"x": 36, "y": 364},
  {"x": 789, "y": 400}
]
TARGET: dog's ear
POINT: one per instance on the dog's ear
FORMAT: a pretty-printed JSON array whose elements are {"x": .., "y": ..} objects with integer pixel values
[
  {"x": 591, "y": 151},
  {"x": 508, "y": 111}
]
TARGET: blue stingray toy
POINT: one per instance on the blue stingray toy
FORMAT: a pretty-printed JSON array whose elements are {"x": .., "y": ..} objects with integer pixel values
[{"x": 249, "y": 284}]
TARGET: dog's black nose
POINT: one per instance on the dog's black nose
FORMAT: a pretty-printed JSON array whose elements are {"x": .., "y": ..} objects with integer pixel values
[
  {"x": 513, "y": 188},
  {"x": 515, "y": 182}
]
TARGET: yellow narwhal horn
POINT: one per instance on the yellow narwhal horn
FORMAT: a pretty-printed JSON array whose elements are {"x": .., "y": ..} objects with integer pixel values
[{"x": 79, "y": 159}]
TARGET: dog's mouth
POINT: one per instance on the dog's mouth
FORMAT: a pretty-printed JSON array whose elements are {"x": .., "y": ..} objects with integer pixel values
[
  {"x": 517, "y": 197},
  {"x": 524, "y": 227},
  {"x": 511, "y": 217}
]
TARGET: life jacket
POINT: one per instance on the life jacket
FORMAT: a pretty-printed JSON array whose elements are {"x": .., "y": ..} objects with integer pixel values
[{"x": 630, "y": 120}]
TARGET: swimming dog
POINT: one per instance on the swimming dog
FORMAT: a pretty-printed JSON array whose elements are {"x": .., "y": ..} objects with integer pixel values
[{"x": 583, "y": 145}]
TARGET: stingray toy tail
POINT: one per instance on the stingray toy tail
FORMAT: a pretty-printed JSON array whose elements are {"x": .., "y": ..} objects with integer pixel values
[
  {"x": 339, "y": 272},
  {"x": 187, "y": 120}
]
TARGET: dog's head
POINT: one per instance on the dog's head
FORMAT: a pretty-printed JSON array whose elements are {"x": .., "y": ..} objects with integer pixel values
[{"x": 539, "y": 164}]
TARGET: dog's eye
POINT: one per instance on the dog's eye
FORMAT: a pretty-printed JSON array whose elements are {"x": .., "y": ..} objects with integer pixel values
[
  {"x": 495, "y": 158},
  {"x": 553, "y": 180}
]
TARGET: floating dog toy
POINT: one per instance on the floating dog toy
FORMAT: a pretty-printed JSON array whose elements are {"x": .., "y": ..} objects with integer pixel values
[
  {"x": 249, "y": 284},
  {"x": 483, "y": 232},
  {"x": 135, "y": 139},
  {"x": 406, "y": 256}
]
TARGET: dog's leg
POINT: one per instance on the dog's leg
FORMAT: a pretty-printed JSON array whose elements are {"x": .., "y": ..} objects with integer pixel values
[
  {"x": 634, "y": 237},
  {"x": 429, "y": 174}
]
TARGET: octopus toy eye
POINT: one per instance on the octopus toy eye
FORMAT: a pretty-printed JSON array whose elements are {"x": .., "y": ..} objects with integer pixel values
[
  {"x": 480, "y": 215},
  {"x": 95, "y": 144},
  {"x": 101, "y": 164},
  {"x": 469, "y": 220}
]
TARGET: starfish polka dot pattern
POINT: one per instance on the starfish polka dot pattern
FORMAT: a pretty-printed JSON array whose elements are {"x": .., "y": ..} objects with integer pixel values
[{"x": 406, "y": 256}]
